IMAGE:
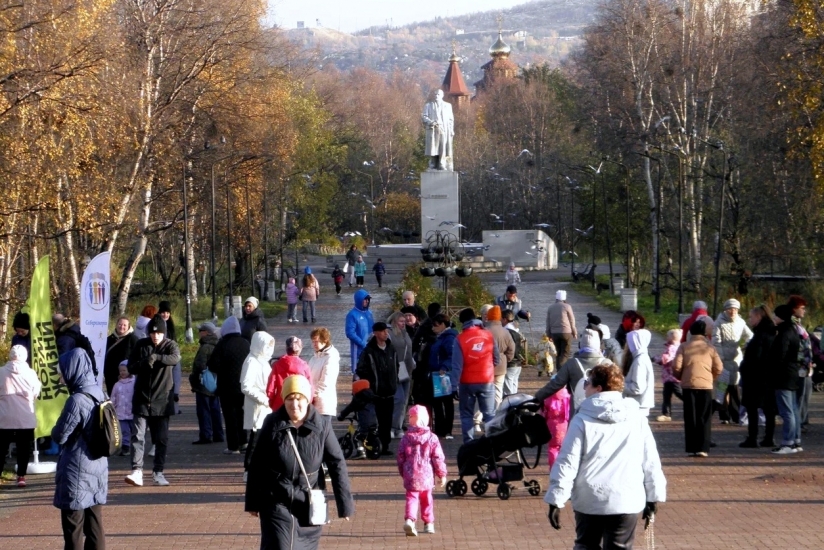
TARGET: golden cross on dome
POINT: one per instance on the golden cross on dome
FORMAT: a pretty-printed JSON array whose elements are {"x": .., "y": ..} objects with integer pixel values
[
  {"x": 454, "y": 46},
  {"x": 500, "y": 20}
]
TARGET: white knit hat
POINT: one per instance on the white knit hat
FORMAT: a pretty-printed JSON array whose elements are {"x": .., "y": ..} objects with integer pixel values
[{"x": 560, "y": 295}]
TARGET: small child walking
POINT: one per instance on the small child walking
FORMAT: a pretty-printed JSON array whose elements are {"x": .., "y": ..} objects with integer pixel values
[
  {"x": 122, "y": 394},
  {"x": 420, "y": 460},
  {"x": 380, "y": 271},
  {"x": 672, "y": 386},
  {"x": 292, "y": 293},
  {"x": 546, "y": 356},
  {"x": 556, "y": 412}
]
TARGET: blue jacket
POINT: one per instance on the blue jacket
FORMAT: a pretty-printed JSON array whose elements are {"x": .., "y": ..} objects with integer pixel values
[
  {"x": 81, "y": 481},
  {"x": 360, "y": 269},
  {"x": 379, "y": 270},
  {"x": 440, "y": 355},
  {"x": 359, "y": 323}
]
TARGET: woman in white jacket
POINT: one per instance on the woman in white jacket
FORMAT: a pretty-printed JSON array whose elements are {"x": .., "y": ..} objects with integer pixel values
[
  {"x": 325, "y": 367},
  {"x": 253, "y": 378},
  {"x": 729, "y": 335},
  {"x": 608, "y": 466},
  {"x": 639, "y": 381},
  {"x": 19, "y": 387}
]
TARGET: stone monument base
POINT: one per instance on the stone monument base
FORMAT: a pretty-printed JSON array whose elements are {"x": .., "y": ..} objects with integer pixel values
[{"x": 440, "y": 202}]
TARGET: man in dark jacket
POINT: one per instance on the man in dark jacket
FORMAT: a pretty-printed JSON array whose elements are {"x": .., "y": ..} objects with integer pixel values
[
  {"x": 784, "y": 359},
  {"x": 152, "y": 361},
  {"x": 227, "y": 364},
  {"x": 22, "y": 336},
  {"x": 421, "y": 343},
  {"x": 252, "y": 321},
  {"x": 409, "y": 301},
  {"x": 379, "y": 365},
  {"x": 119, "y": 347},
  {"x": 755, "y": 372},
  {"x": 210, "y": 424}
]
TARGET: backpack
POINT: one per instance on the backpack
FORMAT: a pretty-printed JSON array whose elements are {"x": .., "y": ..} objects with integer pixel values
[
  {"x": 208, "y": 380},
  {"x": 519, "y": 340},
  {"x": 106, "y": 435}
]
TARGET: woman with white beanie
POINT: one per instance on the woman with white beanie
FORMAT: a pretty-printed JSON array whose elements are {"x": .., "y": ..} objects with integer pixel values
[
  {"x": 19, "y": 387},
  {"x": 729, "y": 335},
  {"x": 560, "y": 326}
]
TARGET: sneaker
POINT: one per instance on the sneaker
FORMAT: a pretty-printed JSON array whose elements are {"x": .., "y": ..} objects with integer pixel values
[
  {"x": 702, "y": 454},
  {"x": 798, "y": 448},
  {"x": 409, "y": 528},
  {"x": 21, "y": 481},
  {"x": 429, "y": 528},
  {"x": 288, "y": 320},
  {"x": 784, "y": 450},
  {"x": 135, "y": 478},
  {"x": 231, "y": 452},
  {"x": 725, "y": 422},
  {"x": 151, "y": 451},
  {"x": 159, "y": 479},
  {"x": 748, "y": 444},
  {"x": 397, "y": 434},
  {"x": 664, "y": 418},
  {"x": 448, "y": 436}
]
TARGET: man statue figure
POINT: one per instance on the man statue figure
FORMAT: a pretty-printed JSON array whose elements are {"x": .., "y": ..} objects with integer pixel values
[{"x": 439, "y": 122}]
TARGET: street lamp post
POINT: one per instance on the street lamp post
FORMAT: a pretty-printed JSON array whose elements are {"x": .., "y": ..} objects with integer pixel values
[
  {"x": 229, "y": 244},
  {"x": 189, "y": 333}
]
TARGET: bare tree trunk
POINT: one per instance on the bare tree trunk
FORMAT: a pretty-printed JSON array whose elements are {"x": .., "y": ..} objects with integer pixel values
[{"x": 138, "y": 250}]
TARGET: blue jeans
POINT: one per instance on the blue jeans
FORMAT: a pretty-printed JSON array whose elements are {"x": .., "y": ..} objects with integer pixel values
[
  {"x": 788, "y": 411},
  {"x": 469, "y": 394},
  {"x": 209, "y": 421},
  {"x": 307, "y": 305},
  {"x": 511, "y": 380},
  {"x": 401, "y": 399}
]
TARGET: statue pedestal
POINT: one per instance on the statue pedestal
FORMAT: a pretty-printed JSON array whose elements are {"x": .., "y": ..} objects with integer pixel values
[{"x": 441, "y": 200}]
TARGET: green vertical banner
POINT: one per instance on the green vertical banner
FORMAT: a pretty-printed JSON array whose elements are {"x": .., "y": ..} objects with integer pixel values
[{"x": 44, "y": 352}]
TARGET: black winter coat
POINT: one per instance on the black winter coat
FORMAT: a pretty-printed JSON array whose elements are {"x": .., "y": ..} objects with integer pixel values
[
  {"x": 154, "y": 387},
  {"x": 783, "y": 357},
  {"x": 252, "y": 323},
  {"x": 755, "y": 367},
  {"x": 379, "y": 367},
  {"x": 227, "y": 363},
  {"x": 276, "y": 488},
  {"x": 117, "y": 350},
  {"x": 204, "y": 352}
]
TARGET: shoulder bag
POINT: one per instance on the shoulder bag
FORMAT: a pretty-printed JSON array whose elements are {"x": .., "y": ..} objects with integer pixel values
[{"x": 317, "y": 500}]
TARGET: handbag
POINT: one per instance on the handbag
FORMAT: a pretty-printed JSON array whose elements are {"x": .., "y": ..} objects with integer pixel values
[
  {"x": 441, "y": 385},
  {"x": 317, "y": 500},
  {"x": 208, "y": 380}
]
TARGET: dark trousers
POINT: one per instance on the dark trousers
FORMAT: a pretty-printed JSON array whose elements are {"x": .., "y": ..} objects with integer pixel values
[
  {"x": 380, "y": 280},
  {"x": 384, "y": 407},
  {"x": 337, "y": 288},
  {"x": 159, "y": 428},
  {"x": 443, "y": 411},
  {"x": 359, "y": 279},
  {"x": 210, "y": 424},
  {"x": 79, "y": 523},
  {"x": 615, "y": 531},
  {"x": 250, "y": 448},
  {"x": 765, "y": 400},
  {"x": 670, "y": 389},
  {"x": 232, "y": 406},
  {"x": 728, "y": 411},
  {"x": 697, "y": 420},
  {"x": 23, "y": 440},
  {"x": 563, "y": 344}
]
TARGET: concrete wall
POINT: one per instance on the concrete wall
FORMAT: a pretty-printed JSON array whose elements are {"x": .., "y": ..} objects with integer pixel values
[{"x": 523, "y": 247}]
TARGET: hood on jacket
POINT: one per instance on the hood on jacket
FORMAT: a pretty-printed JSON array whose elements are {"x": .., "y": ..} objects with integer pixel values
[
  {"x": 76, "y": 368},
  {"x": 141, "y": 323},
  {"x": 18, "y": 354},
  {"x": 230, "y": 326},
  {"x": 262, "y": 346},
  {"x": 129, "y": 380},
  {"x": 638, "y": 341},
  {"x": 360, "y": 296},
  {"x": 610, "y": 407},
  {"x": 418, "y": 436}
]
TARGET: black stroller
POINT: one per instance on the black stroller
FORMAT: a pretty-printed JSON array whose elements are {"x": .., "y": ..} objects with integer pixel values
[{"x": 498, "y": 457}]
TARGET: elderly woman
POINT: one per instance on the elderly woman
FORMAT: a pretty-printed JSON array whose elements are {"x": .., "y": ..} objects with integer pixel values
[
  {"x": 277, "y": 491},
  {"x": 19, "y": 387},
  {"x": 82, "y": 481},
  {"x": 324, "y": 367},
  {"x": 755, "y": 371},
  {"x": 403, "y": 350},
  {"x": 729, "y": 334},
  {"x": 254, "y": 374},
  {"x": 119, "y": 346},
  {"x": 608, "y": 466},
  {"x": 697, "y": 366}
]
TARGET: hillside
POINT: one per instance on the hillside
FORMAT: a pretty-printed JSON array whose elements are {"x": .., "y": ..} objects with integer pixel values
[{"x": 542, "y": 31}]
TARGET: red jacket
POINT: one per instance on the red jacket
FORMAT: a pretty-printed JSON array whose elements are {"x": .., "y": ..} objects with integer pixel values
[
  {"x": 284, "y": 367},
  {"x": 477, "y": 348}
]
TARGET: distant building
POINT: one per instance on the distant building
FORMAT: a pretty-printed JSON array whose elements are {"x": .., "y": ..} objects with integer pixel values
[
  {"x": 500, "y": 67},
  {"x": 301, "y": 24},
  {"x": 454, "y": 87}
]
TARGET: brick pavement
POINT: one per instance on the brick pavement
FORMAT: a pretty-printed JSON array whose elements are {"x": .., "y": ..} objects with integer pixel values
[{"x": 736, "y": 498}]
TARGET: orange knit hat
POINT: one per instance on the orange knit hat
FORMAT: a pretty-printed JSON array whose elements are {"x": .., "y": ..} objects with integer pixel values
[{"x": 494, "y": 314}]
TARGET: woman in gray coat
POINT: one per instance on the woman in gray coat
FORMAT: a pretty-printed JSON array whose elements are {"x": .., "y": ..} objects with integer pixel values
[{"x": 81, "y": 481}]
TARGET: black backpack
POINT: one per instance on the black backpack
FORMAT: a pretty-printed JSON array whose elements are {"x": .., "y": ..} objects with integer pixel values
[
  {"x": 519, "y": 340},
  {"x": 106, "y": 435}
]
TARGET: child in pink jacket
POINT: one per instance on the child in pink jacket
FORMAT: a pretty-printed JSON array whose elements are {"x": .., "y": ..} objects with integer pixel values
[
  {"x": 122, "y": 394},
  {"x": 556, "y": 411},
  {"x": 420, "y": 459},
  {"x": 292, "y": 293},
  {"x": 672, "y": 386}
]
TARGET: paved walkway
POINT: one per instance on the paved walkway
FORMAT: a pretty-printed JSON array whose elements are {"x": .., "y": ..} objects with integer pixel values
[{"x": 736, "y": 498}]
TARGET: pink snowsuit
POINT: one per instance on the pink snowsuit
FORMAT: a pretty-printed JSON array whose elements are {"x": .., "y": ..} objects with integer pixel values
[
  {"x": 556, "y": 411},
  {"x": 420, "y": 459}
]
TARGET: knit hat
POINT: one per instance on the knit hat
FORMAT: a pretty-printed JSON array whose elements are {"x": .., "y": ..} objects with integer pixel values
[
  {"x": 21, "y": 320},
  {"x": 784, "y": 312},
  {"x": 379, "y": 326},
  {"x": 124, "y": 363},
  {"x": 18, "y": 353},
  {"x": 590, "y": 340},
  {"x": 698, "y": 304},
  {"x": 296, "y": 383},
  {"x": 157, "y": 324},
  {"x": 208, "y": 327},
  {"x": 604, "y": 331},
  {"x": 593, "y": 319},
  {"x": 512, "y": 289},
  {"x": 494, "y": 314},
  {"x": 560, "y": 295},
  {"x": 307, "y": 270},
  {"x": 164, "y": 307},
  {"x": 410, "y": 309},
  {"x": 433, "y": 309},
  {"x": 252, "y": 300},
  {"x": 466, "y": 314},
  {"x": 418, "y": 416},
  {"x": 732, "y": 302}
]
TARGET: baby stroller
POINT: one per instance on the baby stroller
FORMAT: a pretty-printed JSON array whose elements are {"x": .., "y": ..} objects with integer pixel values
[
  {"x": 364, "y": 437},
  {"x": 498, "y": 456}
]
